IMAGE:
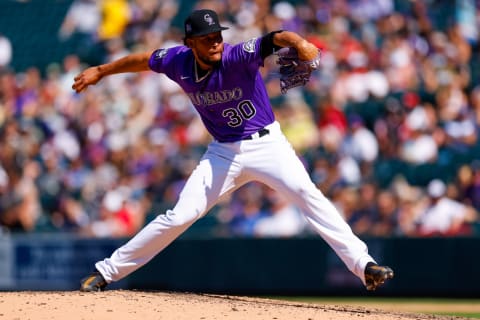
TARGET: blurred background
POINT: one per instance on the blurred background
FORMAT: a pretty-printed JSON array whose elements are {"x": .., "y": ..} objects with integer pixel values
[{"x": 387, "y": 128}]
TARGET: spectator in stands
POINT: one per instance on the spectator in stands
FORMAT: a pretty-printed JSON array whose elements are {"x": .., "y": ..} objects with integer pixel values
[
  {"x": 444, "y": 216},
  {"x": 247, "y": 210},
  {"x": 364, "y": 212},
  {"x": 296, "y": 120},
  {"x": 115, "y": 15},
  {"x": 471, "y": 185},
  {"x": 83, "y": 17},
  {"x": 80, "y": 29},
  {"x": 474, "y": 101},
  {"x": 419, "y": 146},
  {"x": 5, "y": 52},
  {"x": 385, "y": 222},
  {"x": 361, "y": 145},
  {"x": 116, "y": 219},
  {"x": 21, "y": 207},
  {"x": 283, "y": 220},
  {"x": 408, "y": 214}
]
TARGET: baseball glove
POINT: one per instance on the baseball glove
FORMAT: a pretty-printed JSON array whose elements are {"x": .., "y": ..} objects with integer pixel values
[{"x": 293, "y": 71}]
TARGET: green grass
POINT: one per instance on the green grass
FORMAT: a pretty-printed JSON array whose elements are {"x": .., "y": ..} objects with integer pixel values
[
  {"x": 473, "y": 315},
  {"x": 467, "y": 308}
]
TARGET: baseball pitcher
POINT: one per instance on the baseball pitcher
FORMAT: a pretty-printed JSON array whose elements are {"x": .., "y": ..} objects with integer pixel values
[{"x": 225, "y": 86}]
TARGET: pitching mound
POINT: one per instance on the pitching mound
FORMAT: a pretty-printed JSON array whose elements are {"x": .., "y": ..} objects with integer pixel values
[{"x": 122, "y": 304}]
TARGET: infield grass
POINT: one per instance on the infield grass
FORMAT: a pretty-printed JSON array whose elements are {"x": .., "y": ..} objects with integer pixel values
[{"x": 468, "y": 308}]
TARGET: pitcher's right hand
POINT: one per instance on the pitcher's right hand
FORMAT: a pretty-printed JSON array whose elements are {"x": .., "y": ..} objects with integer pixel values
[{"x": 89, "y": 76}]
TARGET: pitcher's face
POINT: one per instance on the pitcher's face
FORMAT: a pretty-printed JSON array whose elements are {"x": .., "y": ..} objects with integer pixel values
[{"x": 208, "y": 49}]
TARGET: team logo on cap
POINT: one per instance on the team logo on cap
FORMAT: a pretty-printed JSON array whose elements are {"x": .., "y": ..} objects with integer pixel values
[
  {"x": 188, "y": 27},
  {"x": 208, "y": 19}
]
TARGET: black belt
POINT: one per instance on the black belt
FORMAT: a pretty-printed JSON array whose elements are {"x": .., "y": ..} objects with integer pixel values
[{"x": 260, "y": 133}]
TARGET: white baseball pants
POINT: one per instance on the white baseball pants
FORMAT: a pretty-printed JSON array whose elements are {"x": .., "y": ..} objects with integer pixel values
[{"x": 224, "y": 168}]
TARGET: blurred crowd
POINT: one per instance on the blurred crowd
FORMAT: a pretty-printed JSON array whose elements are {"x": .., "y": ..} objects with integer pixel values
[{"x": 388, "y": 128}]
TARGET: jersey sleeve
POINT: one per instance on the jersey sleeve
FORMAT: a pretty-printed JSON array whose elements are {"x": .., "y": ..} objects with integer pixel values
[
  {"x": 161, "y": 60},
  {"x": 247, "y": 53}
]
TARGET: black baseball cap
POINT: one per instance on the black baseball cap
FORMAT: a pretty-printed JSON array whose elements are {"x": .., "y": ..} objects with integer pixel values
[{"x": 202, "y": 22}]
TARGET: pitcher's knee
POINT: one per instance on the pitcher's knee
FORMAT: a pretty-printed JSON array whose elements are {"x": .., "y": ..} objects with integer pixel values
[{"x": 180, "y": 219}]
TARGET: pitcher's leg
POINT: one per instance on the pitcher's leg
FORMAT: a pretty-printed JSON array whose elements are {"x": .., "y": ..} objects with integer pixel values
[
  {"x": 282, "y": 170},
  {"x": 327, "y": 221},
  {"x": 152, "y": 239},
  {"x": 203, "y": 189}
]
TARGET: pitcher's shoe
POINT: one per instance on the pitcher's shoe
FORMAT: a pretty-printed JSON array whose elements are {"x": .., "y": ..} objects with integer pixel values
[
  {"x": 376, "y": 275},
  {"x": 94, "y": 282}
]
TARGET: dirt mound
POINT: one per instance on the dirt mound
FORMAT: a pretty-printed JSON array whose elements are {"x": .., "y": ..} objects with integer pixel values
[{"x": 126, "y": 304}]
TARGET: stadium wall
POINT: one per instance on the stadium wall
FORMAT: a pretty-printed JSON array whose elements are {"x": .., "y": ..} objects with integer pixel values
[{"x": 301, "y": 266}]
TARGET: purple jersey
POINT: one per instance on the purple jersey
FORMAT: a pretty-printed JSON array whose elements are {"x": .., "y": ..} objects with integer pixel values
[{"x": 232, "y": 99}]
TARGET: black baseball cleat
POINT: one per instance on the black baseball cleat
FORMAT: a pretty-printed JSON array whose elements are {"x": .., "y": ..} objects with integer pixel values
[
  {"x": 376, "y": 275},
  {"x": 92, "y": 283}
]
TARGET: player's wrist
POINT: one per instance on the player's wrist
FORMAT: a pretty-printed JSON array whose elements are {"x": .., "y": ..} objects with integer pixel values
[
  {"x": 103, "y": 71},
  {"x": 306, "y": 50}
]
